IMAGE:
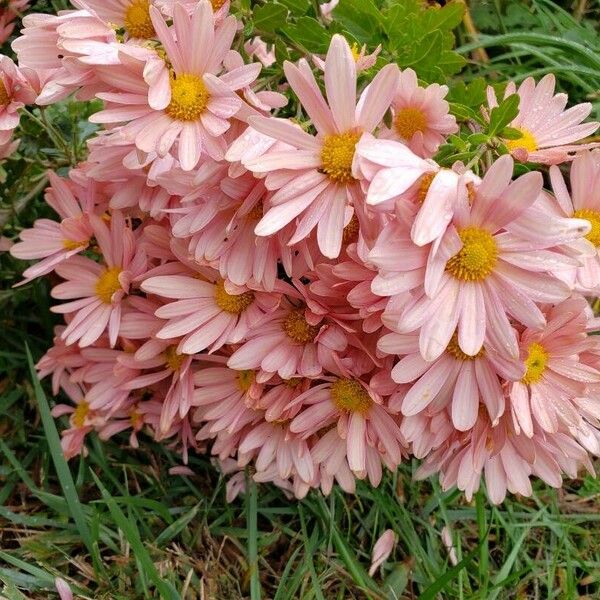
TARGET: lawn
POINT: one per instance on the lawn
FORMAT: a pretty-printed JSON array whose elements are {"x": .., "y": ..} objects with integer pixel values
[{"x": 117, "y": 524}]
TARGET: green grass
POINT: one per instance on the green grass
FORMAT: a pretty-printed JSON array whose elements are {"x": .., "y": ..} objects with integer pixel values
[{"x": 117, "y": 526}]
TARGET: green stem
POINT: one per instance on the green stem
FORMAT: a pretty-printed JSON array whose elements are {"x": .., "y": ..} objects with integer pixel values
[
  {"x": 252, "y": 524},
  {"x": 484, "y": 559}
]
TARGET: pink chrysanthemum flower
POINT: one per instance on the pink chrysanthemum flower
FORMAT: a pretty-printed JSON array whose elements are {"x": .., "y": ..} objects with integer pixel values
[
  {"x": 394, "y": 172},
  {"x": 293, "y": 342},
  {"x": 363, "y": 60},
  {"x": 56, "y": 242},
  {"x": 185, "y": 102},
  {"x": 583, "y": 203},
  {"x": 9, "y": 12},
  {"x": 506, "y": 458},
  {"x": 208, "y": 312},
  {"x": 556, "y": 376},
  {"x": 96, "y": 290},
  {"x": 15, "y": 92},
  {"x": 455, "y": 380},
  {"x": 360, "y": 417},
  {"x": 492, "y": 263},
  {"x": 315, "y": 182},
  {"x": 257, "y": 48},
  {"x": 548, "y": 130},
  {"x": 420, "y": 116}
]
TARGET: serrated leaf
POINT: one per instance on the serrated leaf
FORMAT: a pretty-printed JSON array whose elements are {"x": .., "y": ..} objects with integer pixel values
[
  {"x": 509, "y": 133},
  {"x": 270, "y": 17},
  {"x": 503, "y": 114},
  {"x": 297, "y": 7},
  {"x": 361, "y": 18},
  {"x": 448, "y": 17},
  {"x": 308, "y": 34}
]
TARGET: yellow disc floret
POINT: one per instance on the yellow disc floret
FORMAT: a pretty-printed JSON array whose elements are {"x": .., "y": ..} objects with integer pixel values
[
  {"x": 297, "y": 328},
  {"x": 80, "y": 414},
  {"x": 108, "y": 284},
  {"x": 454, "y": 350},
  {"x": 424, "y": 186},
  {"x": 350, "y": 396},
  {"x": 172, "y": 359},
  {"x": 232, "y": 303},
  {"x": 189, "y": 97},
  {"x": 593, "y": 216},
  {"x": 245, "y": 379},
  {"x": 137, "y": 20},
  {"x": 535, "y": 363},
  {"x": 337, "y": 155},
  {"x": 409, "y": 121},
  {"x": 526, "y": 141},
  {"x": 4, "y": 96},
  {"x": 477, "y": 258}
]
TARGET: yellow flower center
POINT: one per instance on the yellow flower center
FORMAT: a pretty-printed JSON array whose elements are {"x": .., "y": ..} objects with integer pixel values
[
  {"x": 408, "y": 121},
  {"x": 256, "y": 212},
  {"x": 526, "y": 141},
  {"x": 189, "y": 97},
  {"x": 137, "y": 20},
  {"x": 297, "y": 329},
  {"x": 348, "y": 395},
  {"x": 4, "y": 97},
  {"x": 593, "y": 216},
  {"x": 351, "y": 231},
  {"x": 477, "y": 258},
  {"x": 245, "y": 379},
  {"x": 337, "y": 155},
  {"x": 172, "y": 359},
  {"x": 73, "y": 245},
  {"x": 217, "y": 4},
  {"x": 232, "y": 303},
  {"x": 454, "y": 350},
  {"x": 108, "y": 284},
  {"x": 355, "y": 51},
  {"x": 135, "y": 418},
  {"x": 80, "y": 414},
  {"x": 424, "y": 186},
  {"x": 536, "y": 361},
  {"x": 293, "y": 382}
]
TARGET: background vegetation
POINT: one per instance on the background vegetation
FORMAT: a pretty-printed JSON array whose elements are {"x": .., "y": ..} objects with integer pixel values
[{"x": 118, "y": 526}]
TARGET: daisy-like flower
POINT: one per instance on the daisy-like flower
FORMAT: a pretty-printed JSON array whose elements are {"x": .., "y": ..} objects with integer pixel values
[
  {"x": 360, "y": 417},
  {"x": 506, "y": 458},
  {"x": 392, "y": 171},
  {"x": 420, "y": 116},
  {"x": 315, "y": 182},
  {"x": 257, "y": 48},
  {"x": 16, "y": 90},
  {"x": 293, "y": 342},
  {"x": 97, "y": 290},
  {"x": 583, "y": 203},
  {"x": 363, "y": 60},
  {"x": 487, "y": 266},
  {"x": 381, "y": 550},
  {"x": 208, "y": 312},
  {"x": 555, "y": 373},
  {"x": 183, "y": 103},
  {"x": 9, "y": 12},
  {"x": 455, "y": 380},
  {"x": 56, "y": 242},
  {"x": 548, "y": 130}
]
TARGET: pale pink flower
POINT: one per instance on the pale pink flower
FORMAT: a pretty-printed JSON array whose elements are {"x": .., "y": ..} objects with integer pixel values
[
  {"x": 220, "y": 7},
  {"x": 360, "y": 416},
  {"x": 420, "y": 115},
  {"x": 5, "y": 244},
  {"x": 16, "y": 91},
  {"x": 363, "y": 60},
  {"x": 257, "y": 48},
  {"x": 583, "y": 202},
  {"x": 56, "y": 242},
  {"x": 454, "y": 380},
  {"x": 186, "y": 103},
  {"x": 63, "y": 589},
  {"x": 326, "y": 9},
  {"x": 506, "y": 458},
  {"x": 292, "y": 342},
  {"x": 548, "y": 130},
  {"x": 381, "y": 550},
  {"x": 11, "y": 10},
  {"x": 8, "y": 148},
  {"x": 449, "y": 544},
  {"x": 393, "y": 172},
  {"x": 208, "y": 312},
  {"x": 556, "y": 376},
  {"x": 315, "y": 182},
  {"x": 96, "y": 290},
  {"x": 493, "y": 262}
]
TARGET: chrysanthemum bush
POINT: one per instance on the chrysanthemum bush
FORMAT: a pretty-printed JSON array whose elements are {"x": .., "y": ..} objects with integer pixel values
[{"x": 316, "y": 267}]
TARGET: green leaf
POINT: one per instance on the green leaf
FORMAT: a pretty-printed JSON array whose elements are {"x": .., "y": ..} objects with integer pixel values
[
  {"x": 361, "y": 18},
  {"x": 297, "y": 7},
  {"x": 309, "y": 35},
  {"x": 131, "y": 533},
  {"x": 509, "y": 133},
  {"x": 270, "y": 17},
  {"x": 503, "y": 114},
  {"x": 448, "y": 17},
  {"x": 62, "y": 468}
]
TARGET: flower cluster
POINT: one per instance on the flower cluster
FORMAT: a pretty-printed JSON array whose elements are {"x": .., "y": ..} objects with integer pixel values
[{"x": 314, "y": 296}]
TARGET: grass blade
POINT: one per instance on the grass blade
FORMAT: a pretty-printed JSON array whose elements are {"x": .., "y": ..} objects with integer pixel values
[{"x": 252, "y": 524}]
